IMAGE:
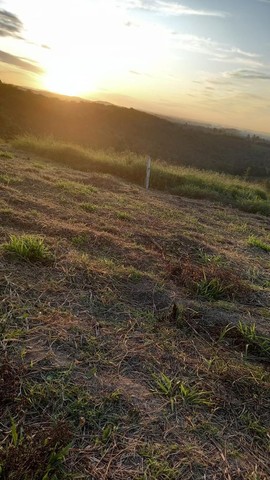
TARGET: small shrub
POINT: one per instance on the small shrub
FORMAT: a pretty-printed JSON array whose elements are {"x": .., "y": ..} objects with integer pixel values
[
  {"x": 257, "y": 242},
  {"x": 27, "y": 247}
]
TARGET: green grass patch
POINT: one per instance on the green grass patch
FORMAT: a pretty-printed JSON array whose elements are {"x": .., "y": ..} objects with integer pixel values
[
  {"x": 8, "y": 180},
  {"x": 75, "y": 188},
  {"x": 4, "y": 154},
  {"x": 211, "y": 289},
  {"x": 257, "y": 242},
  {"x": 123, "y": 216},
  {"x": 190, "y": 182},
  {"x": 27, "y": 247},
  {"x": 88, "y": 207}
]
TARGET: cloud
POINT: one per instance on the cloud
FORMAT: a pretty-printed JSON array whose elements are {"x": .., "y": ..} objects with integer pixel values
[
  {"x": 170, "y": 8},
  {"x": 19, "y": 62},
  {"x": 250, "y": 74},
  {"x": 10, "y": 24},
  {"x": 216, "y": 51}
]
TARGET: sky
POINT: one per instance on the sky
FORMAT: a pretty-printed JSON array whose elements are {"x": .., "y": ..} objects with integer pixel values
[{"x": 201, "y": 60}]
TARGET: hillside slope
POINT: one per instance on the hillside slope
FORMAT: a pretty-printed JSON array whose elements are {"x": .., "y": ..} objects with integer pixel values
[
  {"x": 105, "y": 126},
  {"x": 127, "y": 338}
]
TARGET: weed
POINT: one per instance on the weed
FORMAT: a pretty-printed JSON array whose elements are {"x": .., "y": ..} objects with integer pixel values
[
  {"x": 246, "y": 336},
  {"x": 257, "y": 242},
  {"x": 257, "y": 343},
  {"x": 164, "y": 385},
  {"x": 191, "y": 395},
  {"x": 210, "y": 289},
  {"x": 224, "y": 332},
  {"x": 27, "y": 247},
  {"x": 174, "y": 390}
]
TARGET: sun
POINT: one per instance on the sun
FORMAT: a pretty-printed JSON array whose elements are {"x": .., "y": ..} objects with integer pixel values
[
  {"x": 66, "y": 79},
  {"x": 94, "y": 52}
]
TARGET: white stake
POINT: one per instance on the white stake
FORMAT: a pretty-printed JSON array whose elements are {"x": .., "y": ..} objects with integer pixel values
[{"x": 148, "y": 171}]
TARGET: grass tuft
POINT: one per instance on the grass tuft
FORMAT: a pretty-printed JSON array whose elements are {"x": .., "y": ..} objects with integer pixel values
[
  {"x": 176, "y": 390},
  {"x": 258, "y": 344},
  {"x": 27, "y": 247},
  {"x": 4, "y": 154},
  {"x": 257, "y": 242}
]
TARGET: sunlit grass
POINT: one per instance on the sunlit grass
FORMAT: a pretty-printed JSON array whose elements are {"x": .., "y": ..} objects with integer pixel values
[
  {"x": 27, "y": 247},
  {"x": 185, "y": 181},
  {"x": 257, "y": 242}
]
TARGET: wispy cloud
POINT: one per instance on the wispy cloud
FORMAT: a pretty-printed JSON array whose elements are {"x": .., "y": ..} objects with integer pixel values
[
  {"x": 10, "y": 24},
  {"x": 247, "y": 74},
  {"x": 19, "y": 62},
  {"x": 216, "y": 51},
  {"x": 170, "y": 8}
]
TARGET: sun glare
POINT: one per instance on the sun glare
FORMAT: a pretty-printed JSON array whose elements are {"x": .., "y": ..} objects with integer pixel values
[
  {"x": 97, "y": 52},
  {"x": 62, "y": 77}
]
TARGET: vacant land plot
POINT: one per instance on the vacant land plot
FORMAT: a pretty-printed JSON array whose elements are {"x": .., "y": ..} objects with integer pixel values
[{"x": 134, "y": 330}]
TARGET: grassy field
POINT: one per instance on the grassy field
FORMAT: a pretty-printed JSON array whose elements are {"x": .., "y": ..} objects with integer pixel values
[
  {"x": 177, "y": 180},
  {"x": 135, "y": 326}
]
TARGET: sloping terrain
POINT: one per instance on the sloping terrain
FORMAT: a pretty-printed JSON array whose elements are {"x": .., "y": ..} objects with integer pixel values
[
  {"x": 135, "y": 337},
  {"x": 109, "y": 126}
]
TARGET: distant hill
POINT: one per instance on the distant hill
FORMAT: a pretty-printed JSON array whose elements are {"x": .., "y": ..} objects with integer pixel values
[{"x": 108, "y": 126}]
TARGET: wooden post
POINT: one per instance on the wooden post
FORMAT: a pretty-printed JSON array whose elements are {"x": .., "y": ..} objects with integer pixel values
[{"x": 148, "y": 171}]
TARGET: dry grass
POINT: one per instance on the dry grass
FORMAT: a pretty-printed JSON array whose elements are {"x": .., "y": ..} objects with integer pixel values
[
  {"x": 210, "y": 281},
  {"x": 184, "y": 181},
  {"x": 84, "y": 338}
]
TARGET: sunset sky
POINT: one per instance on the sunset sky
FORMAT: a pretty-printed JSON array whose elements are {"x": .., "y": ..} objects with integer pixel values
[{"x": 206, "y": 60}]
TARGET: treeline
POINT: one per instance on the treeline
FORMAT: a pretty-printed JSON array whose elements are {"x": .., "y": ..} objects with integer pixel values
[{"x": 107, "y": 126}]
